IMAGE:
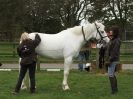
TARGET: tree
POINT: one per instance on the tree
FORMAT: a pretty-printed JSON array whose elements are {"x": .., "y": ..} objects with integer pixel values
[
  {"x": 9, "y": 17},
  {"x": 70, "y": 11},
  {"x": 111, "y": 12},
  {"x": 120, "y": 10},
  {"x": 96, "y": 10},
  {"x": 52, "y": 16}
]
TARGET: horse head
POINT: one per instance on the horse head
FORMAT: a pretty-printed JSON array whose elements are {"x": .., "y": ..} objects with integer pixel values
[
  {"x": 99, "y": 32},
  {"x": 96, "y": 31}
]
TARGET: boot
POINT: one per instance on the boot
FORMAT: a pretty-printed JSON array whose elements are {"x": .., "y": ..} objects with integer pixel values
[
  {"x": 87, "y": 69},
  {"x": 32, "y": 88},
  {"x": 113, "y": 82},
  {"x": 17, "y": 88},
  {"x": 16, "y": 91}
]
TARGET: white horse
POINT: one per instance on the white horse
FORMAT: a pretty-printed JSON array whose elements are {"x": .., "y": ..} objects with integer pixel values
[{"x": 68, "y": 43}]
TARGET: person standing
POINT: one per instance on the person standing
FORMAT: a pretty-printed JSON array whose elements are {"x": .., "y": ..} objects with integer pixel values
[
  {"x": 83, "y": 57},
  {"x": 113, "y": 57},
  {"x": 26, "y": 50}
]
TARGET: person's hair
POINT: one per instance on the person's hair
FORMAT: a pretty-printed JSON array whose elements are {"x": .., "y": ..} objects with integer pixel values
[
  {"x": 24, "y": 36},
  {"x": 116, "y": 31},
  {"x": 107, "y": 29}
]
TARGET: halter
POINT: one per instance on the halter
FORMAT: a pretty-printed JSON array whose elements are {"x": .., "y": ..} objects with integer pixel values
[
  {"x": 96, "y": 34},
  {"x": 86, "y": 42},
  {"x": 99, "y": 33},
  {"x": 84, "y": 35}
]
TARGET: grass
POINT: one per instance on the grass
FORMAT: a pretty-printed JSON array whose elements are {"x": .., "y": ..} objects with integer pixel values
[{"x": 83, "y": 85}]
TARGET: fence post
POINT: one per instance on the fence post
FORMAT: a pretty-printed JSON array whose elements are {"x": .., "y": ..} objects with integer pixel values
[
  {"x": 38, "y": 63},
  {"x": 97, "y": 58},
  {"x": 13, "y": 49}
]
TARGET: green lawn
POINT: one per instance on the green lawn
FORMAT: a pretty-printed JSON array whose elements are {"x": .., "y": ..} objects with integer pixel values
[{"x": 83, "y": 85}]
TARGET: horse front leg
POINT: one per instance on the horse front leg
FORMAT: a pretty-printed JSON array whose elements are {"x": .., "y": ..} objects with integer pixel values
[{"x": 67, "y": 64}]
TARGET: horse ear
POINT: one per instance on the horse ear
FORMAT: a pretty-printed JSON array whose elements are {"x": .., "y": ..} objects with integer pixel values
[{"x": 96, "y": 22}]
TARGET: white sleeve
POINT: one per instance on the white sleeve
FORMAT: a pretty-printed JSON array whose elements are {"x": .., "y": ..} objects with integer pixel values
[{"x": 99, "y": 45}]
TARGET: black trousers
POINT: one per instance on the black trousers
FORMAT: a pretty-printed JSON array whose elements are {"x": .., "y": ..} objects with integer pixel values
[
  {"x": 101, "y": 61},
  {"x": 31, "y": 67}
]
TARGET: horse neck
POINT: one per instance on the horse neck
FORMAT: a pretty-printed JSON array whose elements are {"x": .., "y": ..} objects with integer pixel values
[{"x": 89, "y": 30}]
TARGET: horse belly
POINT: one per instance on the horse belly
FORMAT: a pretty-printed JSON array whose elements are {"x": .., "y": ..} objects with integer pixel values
[{"x": 50, "y": 53}]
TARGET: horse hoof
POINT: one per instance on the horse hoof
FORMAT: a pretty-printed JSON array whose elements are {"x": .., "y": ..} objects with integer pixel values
[
  {"x": 23, "y": 87},
  {"x": 65, "y": 87}
]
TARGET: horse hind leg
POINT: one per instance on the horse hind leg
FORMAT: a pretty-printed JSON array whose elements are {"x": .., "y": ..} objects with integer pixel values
[
  {"x": 67, "y": 63},
  {"x": 23, "y": 86}
]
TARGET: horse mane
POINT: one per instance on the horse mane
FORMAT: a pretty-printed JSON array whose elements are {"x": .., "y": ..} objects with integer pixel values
[{"x": 76, "y": 30}]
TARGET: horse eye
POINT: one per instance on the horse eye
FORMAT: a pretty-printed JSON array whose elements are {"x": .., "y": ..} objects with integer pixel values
[{"x": 102, "y": 31}]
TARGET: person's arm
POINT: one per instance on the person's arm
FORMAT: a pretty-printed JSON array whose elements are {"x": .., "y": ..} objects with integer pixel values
[
  {"x": 99, "y": 45},
  {"x": 37, "y": 40}
]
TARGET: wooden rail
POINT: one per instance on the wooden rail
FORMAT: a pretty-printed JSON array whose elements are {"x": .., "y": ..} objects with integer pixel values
[{"x": 8, "y": 54}]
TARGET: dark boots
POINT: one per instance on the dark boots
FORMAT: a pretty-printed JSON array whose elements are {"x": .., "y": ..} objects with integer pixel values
[
  {"x": 32, "y": 89},
  {"x": 16, "y": 91},
  {"x": 113, "y": 82}
]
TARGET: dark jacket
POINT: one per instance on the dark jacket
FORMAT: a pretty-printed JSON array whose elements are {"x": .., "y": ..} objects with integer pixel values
[
  {"x": 114, "y": 49},
  {"x": 26, "y": 50}
]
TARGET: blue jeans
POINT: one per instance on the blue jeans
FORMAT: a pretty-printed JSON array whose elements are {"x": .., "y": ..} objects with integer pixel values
[
  {"x": 111, "y": 69},
  {"x": 81, "y": 58}
]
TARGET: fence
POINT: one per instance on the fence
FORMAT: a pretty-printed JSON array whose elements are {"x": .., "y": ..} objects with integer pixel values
[
  {"x": 8, "y": 54},
  {"x": 128, "y": 35},
  {"x": 8, "y": 50}
]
